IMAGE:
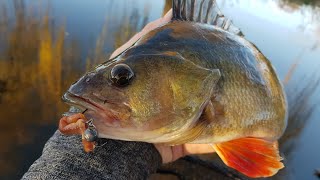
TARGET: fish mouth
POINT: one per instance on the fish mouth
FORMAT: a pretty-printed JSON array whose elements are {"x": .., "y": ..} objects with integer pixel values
[
  {"x": 87, "y": 107},
  {"x": 78, "y": 103}
]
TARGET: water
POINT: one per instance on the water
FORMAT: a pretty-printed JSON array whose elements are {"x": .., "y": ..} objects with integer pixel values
[{"x": 45, "y": 46}]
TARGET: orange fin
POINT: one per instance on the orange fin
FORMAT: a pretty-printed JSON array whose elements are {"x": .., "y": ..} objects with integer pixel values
[{"x": 251, "y": 156}]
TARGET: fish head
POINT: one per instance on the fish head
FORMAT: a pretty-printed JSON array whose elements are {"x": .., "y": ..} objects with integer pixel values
[{"x": 151, "y": 97}]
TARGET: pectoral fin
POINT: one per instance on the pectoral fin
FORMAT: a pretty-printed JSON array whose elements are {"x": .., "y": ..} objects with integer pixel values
[
  {"x": 251, "y": 156},
  {"x": 190, "y": 135}
]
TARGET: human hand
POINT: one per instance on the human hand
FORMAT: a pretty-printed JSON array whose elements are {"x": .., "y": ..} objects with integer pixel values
[
  {"x": 168, "y": 153},
  {"x": 172, "y": 153},
  {"x": 149, "y": 27}
]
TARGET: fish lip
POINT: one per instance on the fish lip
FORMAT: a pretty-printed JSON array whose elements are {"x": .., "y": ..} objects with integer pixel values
[
  {"x": 89, "y": 106},
  {"x": 80, "y": 102}
]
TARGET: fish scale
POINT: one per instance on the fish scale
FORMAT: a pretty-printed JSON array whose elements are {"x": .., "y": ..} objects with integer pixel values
[{"x": 195, "y": 79}]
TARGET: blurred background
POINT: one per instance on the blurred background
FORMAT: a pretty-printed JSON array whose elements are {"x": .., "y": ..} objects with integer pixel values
[{"x": 47, "y": 45}]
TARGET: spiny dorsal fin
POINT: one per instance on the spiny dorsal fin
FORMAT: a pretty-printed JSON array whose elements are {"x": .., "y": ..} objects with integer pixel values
[{"x": 202, "y": 11}]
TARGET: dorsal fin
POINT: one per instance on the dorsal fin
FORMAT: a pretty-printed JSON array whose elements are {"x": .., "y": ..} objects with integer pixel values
[{"x": 202, "y": 11}]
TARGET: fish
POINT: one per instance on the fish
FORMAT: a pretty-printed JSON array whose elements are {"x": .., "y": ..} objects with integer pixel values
[{"x": 195, "y": 79}]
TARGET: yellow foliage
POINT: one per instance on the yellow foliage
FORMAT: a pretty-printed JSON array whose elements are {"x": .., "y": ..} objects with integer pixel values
[{"x": 36, "y": 66}]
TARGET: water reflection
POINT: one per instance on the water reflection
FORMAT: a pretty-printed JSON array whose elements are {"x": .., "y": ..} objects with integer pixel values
[
  {"x": 44, "y": 47},
  {"x": 37, "y": 64},
  {"x": 309, "y": 2},
  {"x": 283, "y": 13},
  {"x": 31, "y": 83}
]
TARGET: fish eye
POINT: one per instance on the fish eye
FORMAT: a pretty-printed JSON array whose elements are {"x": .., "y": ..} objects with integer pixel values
[{"x": 121, "y": 75}]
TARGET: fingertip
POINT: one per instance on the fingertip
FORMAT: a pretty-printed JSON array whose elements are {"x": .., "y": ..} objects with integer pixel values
[
  {"x": 198, "y": 149},
  {"x": 149, "y": 27},
  {"x": 126, "y": 45},
  {"x": 168, "y": 16}
]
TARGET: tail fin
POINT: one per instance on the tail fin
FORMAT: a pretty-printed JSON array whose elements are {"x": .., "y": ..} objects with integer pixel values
[{"x": 251, "y": 156}]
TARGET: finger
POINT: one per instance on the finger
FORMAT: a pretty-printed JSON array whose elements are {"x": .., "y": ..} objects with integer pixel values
[
  {"x": 126, "y": 45},
  {"x": 168, "y": 16},
  {"x": 167, "y": 153},
  {"x": 157, "y": 23},
  {"x": 198, "y": 149},
  {"x": 149, "y": 27}
]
